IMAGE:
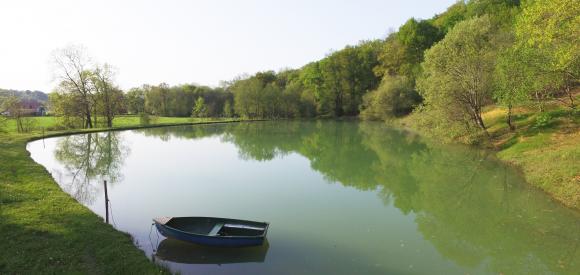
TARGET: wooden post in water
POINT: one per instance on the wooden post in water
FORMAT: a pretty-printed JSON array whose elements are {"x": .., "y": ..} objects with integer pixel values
[{"x": 106, "y": 203}]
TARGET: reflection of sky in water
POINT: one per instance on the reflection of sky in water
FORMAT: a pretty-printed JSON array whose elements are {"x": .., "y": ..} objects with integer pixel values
[{"x": 342, "y": 198}]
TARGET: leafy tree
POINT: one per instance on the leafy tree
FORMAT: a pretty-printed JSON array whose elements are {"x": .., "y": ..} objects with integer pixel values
[
  {"x": 135, "y": 100},
  {"x": 553, "y": 50},
  {"x": 413, "y": 38},
  {"x": 228, "y": 109},
  {"x": 453, "y": 15},
  {"x": 199, "y": 109},
  {"x": 157, "y": 99},
  {"x": 458, "y": 73},
  {"x": 509, "y": 76},
  {"x": 393, "y": 98},
  {"x": 247, "y": 101},
  {"x": 109, "y": 98},
  {"x": 312, "y": 81},
  {"x": 346, "y": 75}
]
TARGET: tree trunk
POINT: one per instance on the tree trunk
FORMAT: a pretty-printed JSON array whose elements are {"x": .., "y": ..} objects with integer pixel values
[
  {"x": 89, "y": 122},
  {"x": 481, "y": 125},
  {"x": 540, "y": 102},
  {"x": 571, "y": 97},
  {"x": 509, "y": 118},
  {"x": 109, "y": 120}
]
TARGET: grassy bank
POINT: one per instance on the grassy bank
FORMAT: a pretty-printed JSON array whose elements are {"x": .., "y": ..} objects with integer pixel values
[
  {"x": 546, "y": 147},
  {"x": 44, "y": 230}
]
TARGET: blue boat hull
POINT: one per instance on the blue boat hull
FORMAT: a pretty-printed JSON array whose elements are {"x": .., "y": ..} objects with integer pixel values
[{"x": 222, "y": 241}]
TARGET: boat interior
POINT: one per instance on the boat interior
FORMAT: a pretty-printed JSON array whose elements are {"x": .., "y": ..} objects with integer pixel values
[{"x": 218, "y": 227}]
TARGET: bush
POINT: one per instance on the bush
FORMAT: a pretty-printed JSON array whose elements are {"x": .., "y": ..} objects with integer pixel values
[
  {"x": 144, "y": 119},
  {"x": 28, "y": 124},
  {"x": 543, "y": 120},
  {"x": 395, "y": 97},
  {"x": 3, "y": 123}
]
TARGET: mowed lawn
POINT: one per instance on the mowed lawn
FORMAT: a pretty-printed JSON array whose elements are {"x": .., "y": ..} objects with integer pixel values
[{"x": 44, "y": 230}]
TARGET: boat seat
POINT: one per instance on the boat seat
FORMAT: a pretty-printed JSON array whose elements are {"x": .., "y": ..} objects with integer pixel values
[{"x": 217, "y": 227}]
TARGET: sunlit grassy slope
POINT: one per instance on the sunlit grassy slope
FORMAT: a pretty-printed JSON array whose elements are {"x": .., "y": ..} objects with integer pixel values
[{"x": 548, "y": 153}]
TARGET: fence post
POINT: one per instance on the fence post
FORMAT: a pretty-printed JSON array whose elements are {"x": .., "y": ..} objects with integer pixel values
[{"x": 106, "y": 203}]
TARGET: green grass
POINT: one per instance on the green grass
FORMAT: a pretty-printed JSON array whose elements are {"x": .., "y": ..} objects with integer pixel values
[
  {"x": 548, "y": 155},
  {"x": 44, "y": 230}
]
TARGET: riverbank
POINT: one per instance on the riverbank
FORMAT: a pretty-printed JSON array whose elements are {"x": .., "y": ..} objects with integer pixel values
[
  {"x": 547, "y": 153},
  {"x": 45, "y": 230},
  {"x": 545, "y": 147}
]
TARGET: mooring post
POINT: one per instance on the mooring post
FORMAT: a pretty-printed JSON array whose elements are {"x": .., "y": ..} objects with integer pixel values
[{"x": 106, "y": 203}]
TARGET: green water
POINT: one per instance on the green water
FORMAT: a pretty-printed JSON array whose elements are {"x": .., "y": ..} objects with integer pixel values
[{"x": 341, "y": 197}]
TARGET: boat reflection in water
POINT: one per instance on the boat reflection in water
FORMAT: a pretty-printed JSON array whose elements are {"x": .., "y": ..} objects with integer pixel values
[{"x": 187, "y": 253}]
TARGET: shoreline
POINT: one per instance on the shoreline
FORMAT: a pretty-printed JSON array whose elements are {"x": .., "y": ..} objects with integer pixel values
[{"x": 45, "y": 229}]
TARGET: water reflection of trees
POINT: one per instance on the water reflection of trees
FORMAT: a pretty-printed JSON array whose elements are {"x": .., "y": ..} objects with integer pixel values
[
  {"x": 474, "y": 210},
  {"x": 182, "y": 132},
  {"x": 89, "y": 159}
]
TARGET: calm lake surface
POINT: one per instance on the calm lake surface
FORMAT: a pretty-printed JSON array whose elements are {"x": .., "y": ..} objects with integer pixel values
[{"x": 341, "y": 197}]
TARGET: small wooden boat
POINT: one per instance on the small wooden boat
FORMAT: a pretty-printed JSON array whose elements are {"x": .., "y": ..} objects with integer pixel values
[{"x": 213, "y": 231}]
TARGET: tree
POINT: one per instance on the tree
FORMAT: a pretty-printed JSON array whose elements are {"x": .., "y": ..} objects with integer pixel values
[
  {"x": 393, "y": 98},
  {"x": 554, "y": 48},
  {"x": 228, "y": 109},
  {"x": 458, "y": 73},
  {"x": 135, "y": 100},
  {"x": 108, "y": 98},
  {"x": 199, "y": 109},
  {"x": 13, "y": 107},
  {"x": 511, "y": 77},
  {"x": 72, "y": 68},
  {"x": 453, "y": 15},
  {"x": 157, "y": 99}
]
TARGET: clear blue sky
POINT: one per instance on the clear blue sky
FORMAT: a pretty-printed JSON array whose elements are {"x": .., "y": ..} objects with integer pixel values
[{"x": 189, "y": 41}]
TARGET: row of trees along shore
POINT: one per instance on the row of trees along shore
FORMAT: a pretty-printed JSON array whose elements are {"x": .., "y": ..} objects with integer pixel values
[{"x": 442, "y": 70}]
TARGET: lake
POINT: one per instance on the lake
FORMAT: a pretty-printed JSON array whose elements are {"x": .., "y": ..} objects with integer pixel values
[{"x": 342, "y": 197}]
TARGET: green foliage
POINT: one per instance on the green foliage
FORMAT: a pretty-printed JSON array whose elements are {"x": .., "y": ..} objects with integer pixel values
[
  {"x": 552, "y": 51},
  {"x": 3, "y": 123},
  {"x": 228, "y": 109},
  {"x": 144, "y": 119},
  {"x": 333, "y": 86},
  {"x": 163, "y": 100},
  {"x": 453, "y": 15},
  {"x": 346, "y": 76},
  {"x": 457, "y": 78},
  {"x": 394, "y": 97},
  {"x": 543, "y": 120},
  {"x": 510, "y": 75},
  {"x": 135, "y": 100},
  {"x": 501, "y": 12},
  {"x": 199, "y": 109},
  {"x": 403, "y": 52}
]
